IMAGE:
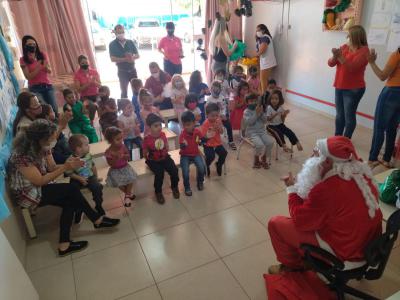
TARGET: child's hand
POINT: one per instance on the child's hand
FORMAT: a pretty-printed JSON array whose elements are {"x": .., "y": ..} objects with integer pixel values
[
  {"x": 83, "y": 181},
  {"x": 210, "y": 133},
  {"x": 259, "y": 109},
  {"x": 184, "y": 142}
]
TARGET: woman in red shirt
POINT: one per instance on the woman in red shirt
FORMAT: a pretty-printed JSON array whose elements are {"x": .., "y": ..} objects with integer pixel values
[
  {"x": 155, "y": 85},
  {"x": 350, "y": 61},
  {"x": 35, "y": 66}
]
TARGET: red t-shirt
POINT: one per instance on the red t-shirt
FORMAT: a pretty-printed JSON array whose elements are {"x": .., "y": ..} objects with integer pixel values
[
  {"x": 84, "y": 77},
  {"x": 172, "y": 47},
  {"x": 350, "y": 75},
  {"x": 157, "y": 147},
  {"x": 156, "y": 87},
  {"x": 41, "y": 77},
  {"x": 193, "y": 140}
]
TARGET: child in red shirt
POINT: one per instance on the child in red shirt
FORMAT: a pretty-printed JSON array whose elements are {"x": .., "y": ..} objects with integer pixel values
[
  {"x": 189, "y": 141},
  {"x": 212, "y": 128},
  {"x": 155, "y": 151}
]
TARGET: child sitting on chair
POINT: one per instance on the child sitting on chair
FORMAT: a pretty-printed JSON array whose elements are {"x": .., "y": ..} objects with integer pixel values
[
  {"x": 107, "y": 109},
  {"x": 191, "y": 102},
  {"x": 254, "y": 120},
  {"x": 136, "y": 85},
  {"x": 254, "y": 81},
  {"x": 178, "y": 94},
  {"x": 146, "y": 101},
  {"x": 276, "y": 116}
]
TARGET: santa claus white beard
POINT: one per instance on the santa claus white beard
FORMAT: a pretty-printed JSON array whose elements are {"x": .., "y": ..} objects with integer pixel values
[{"x": 309, "y": 176}]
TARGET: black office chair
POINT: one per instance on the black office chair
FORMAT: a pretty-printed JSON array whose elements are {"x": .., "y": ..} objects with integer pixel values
[{"x": 376, "y": 256}]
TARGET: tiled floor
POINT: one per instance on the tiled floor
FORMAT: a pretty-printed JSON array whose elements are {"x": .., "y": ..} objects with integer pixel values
[{"x": 213, "y": 245}]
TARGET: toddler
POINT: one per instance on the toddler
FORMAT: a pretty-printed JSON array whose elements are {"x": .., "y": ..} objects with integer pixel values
[
  {"x": 238, "y": 105},
  {"x": 85, "y": 176},
  {"x": 276, "y": 115},
  {"x": 136, "y": 85},
  {"x": 107, "y": 109},
  {"x": 198, "y": 87},
  {"x": 254, "y": 81},
  {"x": 220, "y": 76},
  {"x": 237, "y": 77},
  {"x": 191, "y": 102},
  {"x": 216, "y": 97},
  {"x": 146, "y": 100},
  {"x": 155, "y": 151},
  {"x": 79, "y": 123},
  {"x": 130, "y": 126},
  {"x": 254, "y": 120},
  {"x": 178, "y": 94},
  {"x": 189, "y": 141},
  {"x": 120, "y": 174},
  {"x": 212, "y": 129}
]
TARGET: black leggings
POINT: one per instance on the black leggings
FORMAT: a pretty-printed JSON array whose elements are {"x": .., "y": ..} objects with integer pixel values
[
  {"x": 70, "y": 199},
  {"x": 209, "y": 153},
  {"x": 228, "y": 126},
  {"x": 279, "y": 132},
  {"x": 158, "y": 167}
]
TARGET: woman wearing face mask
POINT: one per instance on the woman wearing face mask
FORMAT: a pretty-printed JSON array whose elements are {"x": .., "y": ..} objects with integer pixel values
[
  {"x": 87, "y": 83},
  {"x": 171, "y": 47},
  {"x": 350, "y": 60},
  {"x": 156, "y": 83},
  {"x": 29, "y": 108},
  {"x": 219, "y": 45},
  {"x": 35, "y": 66},
  {"x": 32, "y": 169},
  {"x": 266, "y": 54}
]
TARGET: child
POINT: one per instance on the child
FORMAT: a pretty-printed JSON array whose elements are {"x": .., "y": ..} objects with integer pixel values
[
  {"x": 254, "y": 81},
  {"x": 212, "y": 128},
  {"x": 146, "y": 100},
  {"x": 178, "y": 94},
  {"x": 136, "y": 85},
  {"x": 191, "y": 102},
  {"x": 61, "y": 150},
  {"x": 107, "y": 108},
  {"x": 236, "y": 78},
  {"x": 272, "y": 85},
  {"x": 216, "y": 97},
  {"x": 239, "y": 105},
  {"x": 254, "y": 120},
  {"x": 120, "y": 174},
  {"x": 155, "y": 151},
  {"x": 189, "y": 141},
  {"x": 220, "y": 76},
  {"x": 276, "y": 118},
  {"x": 85, "y": 176},
  {"x": 79, "y": 123},
  {"x": 130, "y": 126},
  {"x": 198, "y": 87}
]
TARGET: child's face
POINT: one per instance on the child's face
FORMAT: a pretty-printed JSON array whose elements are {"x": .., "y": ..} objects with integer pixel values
[
  {"x": 136, "y": 87},
  {"x": 239, "y": 73},
  {"x": 251, "y": 101},
  {"x": 147, "y": 102},
  {"x": 192, "y": 105},
  {"x": 128, "y": 110},
  {"x": 213, "y": 116},
  {"x": 70, "y": 99},
  {"x": 83, "y": 149},
  {"x": 253, "y": 74},
  {"x": 220, "y": 76},
  {"x": 118, "y": 139},
  {"x": 272, "y": 86},
  {"x": 155, "y": 129},
  {"x": 244, "y": 91},
  {"x": 105, "y": 93},
  {"x": 189, "y": 126},
  {"x": 274, "y": 100}
]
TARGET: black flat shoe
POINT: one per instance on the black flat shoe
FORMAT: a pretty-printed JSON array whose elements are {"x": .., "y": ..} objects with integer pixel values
[
  {"x": 160, "y": 198},
  {"x": 106, "y": 223},
  {"x": 73, "y": 247},
  {"x": 200, "y": 186},
  {"x": 175, "y": 193}
]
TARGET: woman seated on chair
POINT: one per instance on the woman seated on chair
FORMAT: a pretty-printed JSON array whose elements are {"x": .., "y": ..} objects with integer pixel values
[{"x": 32, "y": 171}]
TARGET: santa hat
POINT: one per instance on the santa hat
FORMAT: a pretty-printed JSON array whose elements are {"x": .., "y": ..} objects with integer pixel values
[{"x": 347, "y": 165}]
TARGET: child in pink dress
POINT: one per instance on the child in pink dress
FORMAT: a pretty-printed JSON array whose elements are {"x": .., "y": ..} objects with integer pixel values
[
  {"x": 254, "y": 81},
  {"x": 238, "y": 105}
]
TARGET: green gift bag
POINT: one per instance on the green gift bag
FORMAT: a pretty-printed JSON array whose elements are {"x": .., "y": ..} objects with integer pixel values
[{"x": 389, "y": 189}]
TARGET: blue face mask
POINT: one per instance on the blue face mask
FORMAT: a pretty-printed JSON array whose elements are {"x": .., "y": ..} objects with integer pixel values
[{"x": 252, "y": 106}]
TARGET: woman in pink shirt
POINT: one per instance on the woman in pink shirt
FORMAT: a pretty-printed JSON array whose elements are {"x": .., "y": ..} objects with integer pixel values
[
  {"x": 87, "y": 83},
  {"x": 35, "y": 66},
  {"x": 350, "y": 61},
  {"x": 171, "y": 47}
]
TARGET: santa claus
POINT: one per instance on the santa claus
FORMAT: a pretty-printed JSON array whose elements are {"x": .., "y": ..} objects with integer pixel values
[{"x": 333, "y": 204}]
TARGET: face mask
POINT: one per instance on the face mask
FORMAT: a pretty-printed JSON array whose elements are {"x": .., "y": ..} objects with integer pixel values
[
  {"x": 259, "y": 34},
  {"x": 170, "y": 32},
  {"x": 251, "y": 106},
  {"x": 220, "y": 78},
  {"x": 85, "y": 67},
  {"x": 121, "y": 36},
  {"x": 155, "y": 75},
  {"x": 192, "y": 106},
  {"x": 30, "y": 48},
  {"x": 179, "y": 84}
]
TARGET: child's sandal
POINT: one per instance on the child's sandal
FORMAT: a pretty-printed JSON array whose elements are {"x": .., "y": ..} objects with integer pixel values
[{"x": 127, "y": 201}]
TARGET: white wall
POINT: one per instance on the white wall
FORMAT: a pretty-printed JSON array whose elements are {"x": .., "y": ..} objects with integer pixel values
[{"x": 303, "y": 51}]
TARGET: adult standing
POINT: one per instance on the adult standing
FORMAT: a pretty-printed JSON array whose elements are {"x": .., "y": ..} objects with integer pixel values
[
  {"x": 31, "y": 171},
  {"x": 36, "y": 68},
  {"x": 171, "y": 47},
  {"x": 124, "y": 53},
  {"x": 87, "y": 83},
  {"x": 266, "y": 54},
  {"x": 387, "y": 111},
  {"x": 219, "y": 45},
  {"x": 156, "y": 83},
  {"x": 350, "y": 61}
]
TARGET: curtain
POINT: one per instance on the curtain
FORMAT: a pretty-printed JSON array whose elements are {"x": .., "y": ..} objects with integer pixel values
[
  {"x": 234, "y": 24},
  {"x": 60, "y": 29}
]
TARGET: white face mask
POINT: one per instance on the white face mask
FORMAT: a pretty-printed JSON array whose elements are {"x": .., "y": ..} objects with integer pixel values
[
  {"x": 121, "y": 36},
  {"x": 179, "y": 84},
  {"x": 259, "y": 34},
  {"x": 156, "y": 75}
]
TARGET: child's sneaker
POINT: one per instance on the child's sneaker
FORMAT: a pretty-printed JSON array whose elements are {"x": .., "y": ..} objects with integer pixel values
[
  {"x": 175, "y": 192},
  {"x": 127, "y": 201},
  {"x": 160, "y": 198},
  {"x": 200, "y": 186},
  {"x": 188, "y": 192}
]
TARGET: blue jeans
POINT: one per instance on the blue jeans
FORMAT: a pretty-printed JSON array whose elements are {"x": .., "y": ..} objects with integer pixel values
[
  {"x": 387, "y": 118},
  {"x": 46, "y": 93},
  {"x": 201, "y": 169},
  {"x": 172, "y": 68},
  {"x": 346, "y": 107}
]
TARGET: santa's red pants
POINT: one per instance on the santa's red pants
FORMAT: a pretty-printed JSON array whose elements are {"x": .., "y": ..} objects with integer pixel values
[{"x": 286, "y": 240}]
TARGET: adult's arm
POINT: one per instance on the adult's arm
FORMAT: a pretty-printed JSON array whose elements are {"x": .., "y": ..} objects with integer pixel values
[
  {"x": 30, "y": 75},
  {"x": 261, "y": 50},
  {"x": 390, "y": 66},
  {"x": 355, "y": 62},
  {"x": 224, "y": 46}
]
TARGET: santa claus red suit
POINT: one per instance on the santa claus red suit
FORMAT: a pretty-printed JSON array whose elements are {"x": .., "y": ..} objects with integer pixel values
[{"x": 337, "y": 210}]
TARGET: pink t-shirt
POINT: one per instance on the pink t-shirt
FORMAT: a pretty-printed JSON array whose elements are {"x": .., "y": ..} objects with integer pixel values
[
  {"x": 172, "y": 47},
  {"x": 84, "y": 77},
  {"x": 41, "y": 77}
]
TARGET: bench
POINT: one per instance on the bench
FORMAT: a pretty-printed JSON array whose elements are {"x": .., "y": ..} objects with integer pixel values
[
  {"x": 386, "y": 209},
  {"x": 168, "y": 114}
]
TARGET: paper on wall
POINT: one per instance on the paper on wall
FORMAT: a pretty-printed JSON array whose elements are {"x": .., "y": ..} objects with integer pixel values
[
  {"x": 381, "y": 20},
  {"x": 377, "y": 36}
]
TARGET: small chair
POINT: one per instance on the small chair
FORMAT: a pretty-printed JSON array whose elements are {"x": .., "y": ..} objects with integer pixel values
[
  {"x": 243, "y": 139},
  {"x": 376, "y": 254}
]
